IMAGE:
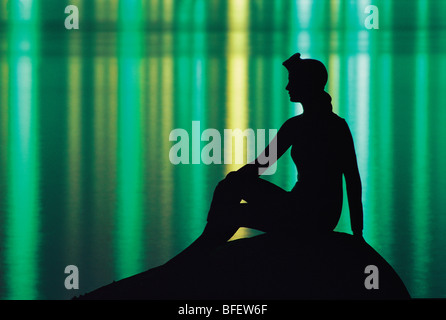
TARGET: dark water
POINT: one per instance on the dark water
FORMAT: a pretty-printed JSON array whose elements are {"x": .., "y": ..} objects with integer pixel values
[{"x": 85, "y": 119}]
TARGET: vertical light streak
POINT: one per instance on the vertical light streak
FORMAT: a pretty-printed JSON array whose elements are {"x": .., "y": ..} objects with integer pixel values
[
  {"x": 4, "y": 112},
  {"x": 362, "y": 128},
  {"x": 4, "y": 10},
  {"x": 166, "y": 174},
  {"x": 4, "y": 140},
  {"x": 153, "y": 10},
  {"x": 100, "y": 127},
  {"x": 384, "y": 175},
  {"x": 190, "y": 84},
  {"x": 200, "y": 110},
  {"x": 153, "y": 142},
  {"x": 237, "y": 117},
  {"x": 421, "y": 170},
  {"x": 237, "y": 81},
  {"x": 129, "y": 253},
  {"x": 112, "y": 103},
  {"x": 105, "y": 10},
  {"x": 279, "y": 109},
  {"x": 237, "y": 67},
  {"x": 294, "y": 27},
  {"x": 22, "y": 223},
  {"x": 167, "y": 12},
  {"x": 333, "y": 68},
  {"x": 152, "y": 131},
  {"x": 297, "y": 40},
  {"x": 338, "y": 85},
  {"x": 334, "y": 89},
  {"x": 300, "y": 38},
  {"x": 421, "y": 165},
  {"x": 74, "y": 127},
  {"x": 105, "y": 78},
  {"x": 382, "y": 147},
  {"x": 161, "y": 111},
  {"x": 335, "y": 14},
  {"x": 304, "y": 13},
  {"x": 358, "y": 99},
  {"x": 333, "y": 86},
  {"x": 439, "y": 152},
  {"x": 359, "y": 108}
]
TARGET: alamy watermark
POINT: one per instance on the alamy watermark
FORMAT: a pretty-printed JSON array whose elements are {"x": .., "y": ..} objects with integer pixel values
[
  {"x": 372, "y": 280},
  {"x": 72, "y": 280},
  {"x": 72, "y": 20},
  {"x": 228, "y": 148},
  {"x": 372, "y": 20}
]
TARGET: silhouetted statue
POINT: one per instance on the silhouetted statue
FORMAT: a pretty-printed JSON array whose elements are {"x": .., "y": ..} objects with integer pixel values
[
  {"x": 323, "y": 151},
  {"x": 299, "y": 256}
]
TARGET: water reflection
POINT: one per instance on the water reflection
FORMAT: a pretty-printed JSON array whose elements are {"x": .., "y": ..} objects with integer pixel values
[
  {"x": 21, "y": 242},
  {"x": 89, "y": 114},
  {"x": 130, "y": 168},
  {"x": 74, "y": 148}
]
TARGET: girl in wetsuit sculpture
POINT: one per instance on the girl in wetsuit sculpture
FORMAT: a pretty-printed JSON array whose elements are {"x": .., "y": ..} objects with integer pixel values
[{"x": 323, "y": 151}]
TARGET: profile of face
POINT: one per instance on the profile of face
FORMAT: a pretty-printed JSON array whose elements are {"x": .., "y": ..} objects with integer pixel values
[
  {"x": 299, "y": 88},
  {"x": 306, "y": 78}
]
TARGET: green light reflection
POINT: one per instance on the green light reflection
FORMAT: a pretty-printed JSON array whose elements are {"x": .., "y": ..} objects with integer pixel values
[
  {"x": 22, "y": 222},
  {"x": 421, "y": 167},
  {"x": 129, "y": 249}
]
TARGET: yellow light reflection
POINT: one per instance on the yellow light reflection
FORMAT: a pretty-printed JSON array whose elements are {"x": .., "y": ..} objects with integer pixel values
[
  {"x": 106, "y": 10},
  {"x": 168, "y": 11},
  {"x": 166, "y": 178},
  {"x": 4, "y": 10},
  {"x": 237, "y": 73},
  {"x": 4, "y": 112},
  {"x": 153, "y": 10},
  {"x": 334, "y": 80},
  {"x": 237, "y": 78},
  {"x": 153, "y": 107},
  {"x": 105, "y": 144},
  {"x": 74, "y": 161},
  {"x": 334, "y": 14}
]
